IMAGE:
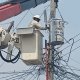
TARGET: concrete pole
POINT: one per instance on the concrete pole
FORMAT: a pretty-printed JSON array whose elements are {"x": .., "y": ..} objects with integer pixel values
[
  {"x": 52, "y": 9},
  {"x": 52, "y": 16},
  {"x": 53, "y": 6}
]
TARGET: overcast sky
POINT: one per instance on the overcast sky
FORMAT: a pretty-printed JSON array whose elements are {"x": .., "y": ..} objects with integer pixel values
[{"x": 70, "y": 12}]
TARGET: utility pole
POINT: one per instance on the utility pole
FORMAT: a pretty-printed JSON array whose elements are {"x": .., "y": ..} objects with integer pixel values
[
  {"x": 53, "y": 6},
  {"x": 49, "y": 52}
]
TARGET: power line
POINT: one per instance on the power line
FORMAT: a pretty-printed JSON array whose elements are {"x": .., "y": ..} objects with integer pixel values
[
  {"x": 19, "y": 75},
  {"x": 75, "y": 61},
  {"x": 44, "y": 9},
  {"x": 70, "y": 45},
  {"x": 71, "y": 51},
  {"x": 12, "y": 77},
  {"x": 6, "y": 23},
  {"x": 9, "y": 53},
  {"x": 60, "y": 14},
  {"x": 21, "y": 19},
  {"x": 69, "y": 40},
  {"x": 26, "y": 14}
]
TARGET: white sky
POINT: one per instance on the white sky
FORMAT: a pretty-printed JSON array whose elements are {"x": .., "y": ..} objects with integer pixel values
[{"x": 70, "y": 12}]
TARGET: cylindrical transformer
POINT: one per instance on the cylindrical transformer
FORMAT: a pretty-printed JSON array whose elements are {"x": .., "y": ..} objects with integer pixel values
[{"x": 57, "y": 32}]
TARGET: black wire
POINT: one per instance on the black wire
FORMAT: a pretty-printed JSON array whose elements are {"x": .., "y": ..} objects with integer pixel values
[
  {"x": 19, "y": 75},
  {"x": 21, "y": 19},
  {"x": 15, "y": 73},
  {"x": 16, "y": 59},
  {"x": 75, "y": 61},
  {"x": 70, "y": 49},
  {"x": 35, "y": 77},
  {"x": 69, "y": 46},
  {"x": 69, "y": 40},
  {"x": 10, "y": 75},
  {"x": 74, "y": 68},
  {"x": 66, "y": 72},
  {"x": 26, "y": 75},
  {"x": 17, "y": 56},
  {"x": 60, "y": 14},
  {"x": 59, "y": 68},
  {"x": 28, "y": 70},
  {"x": 32, "y": 75},
  {"x": 69, "y": 67},
  {"x": 38, "y": 74},
  {"x": 73, "y": 74}
]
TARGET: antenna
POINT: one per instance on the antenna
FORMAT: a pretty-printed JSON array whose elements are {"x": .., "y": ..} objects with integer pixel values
[{"x": 45, "y": 17}]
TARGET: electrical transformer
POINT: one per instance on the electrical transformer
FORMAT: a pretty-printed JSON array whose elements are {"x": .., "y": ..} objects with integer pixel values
[
  {"x": 31, "y": 42},
  {"x": 57, "y": 32}
]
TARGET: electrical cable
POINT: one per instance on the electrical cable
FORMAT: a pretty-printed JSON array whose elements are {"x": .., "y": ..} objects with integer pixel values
[
  {"x": 69, "y": 67},
  {"x": 35, "y": 77},
  {"x": 21, "y": 20},
  {"x": 72, "y": 71},
  {"x": 70, "y": 49},
  {"x": 69, "y": 40},
  {"x": 71, "y": 46},
  {"x": 44, "y": 9},
  {"x": 28, "y": 70},
  {"x": 75, "y": 61},
  {"x": 25, "y": 75},
  {"x": 30, "y": 76},
  {"x": 19, "y": 75},
  {"x": 16, "y": 59},
  {"x": 25, "y": 15},
  {"x": 38, "y": 74},
  {"x": 6, "y": 23},
  {"x": 15, "y": 73},
  {"x": 30, "y": 73},
  {"x": 59, "y": 74},
  {"x": 60, "y": 14},
  {"x": 18, "y": 55},
  {"x": 10, "y": 75},
  {"x": 67, "y": 46},
  {"x": 63, "y": 20},
  {"x": 66, "y": 72},
  {"x": 75, "y": 36}
]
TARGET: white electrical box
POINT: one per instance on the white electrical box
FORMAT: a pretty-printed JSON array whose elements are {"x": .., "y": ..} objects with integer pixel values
[{"x": 31, "y": 45}]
